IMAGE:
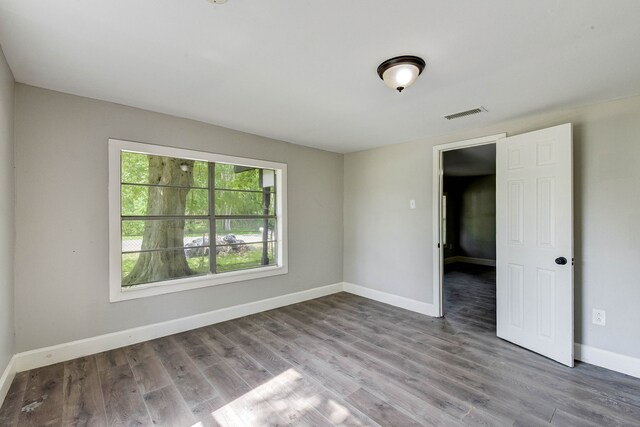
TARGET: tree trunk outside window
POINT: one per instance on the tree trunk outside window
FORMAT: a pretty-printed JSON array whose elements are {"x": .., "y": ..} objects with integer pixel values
[{"x": 164, "y": 264}]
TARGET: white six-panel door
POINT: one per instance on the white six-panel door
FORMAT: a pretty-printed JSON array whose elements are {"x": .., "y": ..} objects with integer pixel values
[{"x": 534, "y": 182}]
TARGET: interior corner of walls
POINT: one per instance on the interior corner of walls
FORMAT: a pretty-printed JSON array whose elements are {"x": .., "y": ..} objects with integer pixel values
[
  {"x": 7, "y": 378},
  {"x": 391, "y": 299},
  {"x": 607, "y": 359}
]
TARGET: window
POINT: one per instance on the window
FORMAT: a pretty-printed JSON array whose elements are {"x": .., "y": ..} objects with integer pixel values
[{"x": 182, "y": 219}]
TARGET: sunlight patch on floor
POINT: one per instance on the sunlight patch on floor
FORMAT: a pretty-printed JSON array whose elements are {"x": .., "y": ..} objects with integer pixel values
[
  {"x": 339, "y": 414},
  {"x": 286, "y": 397}
]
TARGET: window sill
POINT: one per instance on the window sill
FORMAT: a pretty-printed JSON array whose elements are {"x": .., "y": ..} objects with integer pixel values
[{"x": 170, "y": 286}]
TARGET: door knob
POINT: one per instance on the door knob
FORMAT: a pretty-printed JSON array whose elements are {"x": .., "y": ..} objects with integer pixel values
[{"x": 561, "y": 260}]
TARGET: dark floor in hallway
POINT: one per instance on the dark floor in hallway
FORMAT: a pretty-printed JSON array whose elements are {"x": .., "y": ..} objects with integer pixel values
[{"x": 470, "y": 294}]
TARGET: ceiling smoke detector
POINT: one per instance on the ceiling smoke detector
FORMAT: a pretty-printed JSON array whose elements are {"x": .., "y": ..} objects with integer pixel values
[{"x": 217, "y": 1}]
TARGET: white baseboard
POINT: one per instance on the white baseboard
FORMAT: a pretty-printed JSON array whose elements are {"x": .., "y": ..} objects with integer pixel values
[
  {"x": 607, "y": 359},
  {"x": 7, "y": 378},
  {"x": 68, "y": 351},
  {"x": 72, "y": 350},
  {"x": 470, "y": 260},
  {"x": 391, "y": 299}
]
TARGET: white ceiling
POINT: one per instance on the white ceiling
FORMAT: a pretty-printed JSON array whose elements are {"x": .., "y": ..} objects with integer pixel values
[{"x": 305, "y": 71}]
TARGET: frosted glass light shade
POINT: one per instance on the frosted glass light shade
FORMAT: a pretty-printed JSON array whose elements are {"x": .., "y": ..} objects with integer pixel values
[
  {"x": 401, "y": 72},
  {"x": 400, "y": 76}
]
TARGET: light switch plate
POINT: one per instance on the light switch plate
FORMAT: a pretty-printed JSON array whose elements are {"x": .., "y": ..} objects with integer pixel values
[{"x": 412, "y": 204}]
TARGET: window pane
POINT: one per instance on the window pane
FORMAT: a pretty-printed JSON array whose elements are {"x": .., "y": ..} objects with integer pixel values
[
  {"x": 233, "y": 177},
  {"x": 244, "y": 256},
  {"x": 128, "y": 261},
  {"x": 199, "y": 264},
  {"x": 136, "y": 169},
  {"x": 242, "y": 203},
  {"x": 148, "y": 267},
  {"x": 164, "y": 234},
  {"x": 201, "y": 174},
  {"x": 165, "y": 201},
  {"x": 230, "y": 231},
  {"x": 236, "y": 177}
]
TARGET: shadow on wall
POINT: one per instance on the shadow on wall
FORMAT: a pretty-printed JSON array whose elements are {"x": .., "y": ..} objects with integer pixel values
[
  {"x": 471, "y": 216},
  {"x": 578, "y": 179}
]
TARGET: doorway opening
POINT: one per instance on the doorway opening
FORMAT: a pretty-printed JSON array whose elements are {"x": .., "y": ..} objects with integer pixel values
[
  {"x": 469, "y": 235},
  {"x": 465, "y": 230}
]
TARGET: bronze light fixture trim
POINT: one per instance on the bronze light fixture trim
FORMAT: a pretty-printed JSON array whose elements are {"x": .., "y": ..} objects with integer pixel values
[{"x": 401, "y": 71}]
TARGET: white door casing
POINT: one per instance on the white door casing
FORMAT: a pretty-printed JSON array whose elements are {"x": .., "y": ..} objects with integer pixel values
[
  {"x": 438, "y": 175},
  {"x": 534, "y": 215}
]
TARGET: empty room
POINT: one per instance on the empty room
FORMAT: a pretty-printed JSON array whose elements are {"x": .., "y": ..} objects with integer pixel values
[{"x": 355, "y": 213}]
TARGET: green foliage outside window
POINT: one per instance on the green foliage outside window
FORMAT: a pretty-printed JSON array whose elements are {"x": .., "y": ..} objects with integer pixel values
[{"x": 156, "y": 249}]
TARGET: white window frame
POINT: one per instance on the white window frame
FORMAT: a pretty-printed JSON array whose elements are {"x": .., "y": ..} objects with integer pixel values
[{"x": 117, "y": 293}]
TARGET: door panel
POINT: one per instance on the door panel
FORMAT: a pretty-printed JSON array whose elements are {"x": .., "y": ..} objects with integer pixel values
[
  {"x": 546, "y": 308},
  {"x": 516, "y": 295},
  {"x": 545, "y": 212},
  {"x": 515, "y": 203},
  {"x": 534, "y": 182}
]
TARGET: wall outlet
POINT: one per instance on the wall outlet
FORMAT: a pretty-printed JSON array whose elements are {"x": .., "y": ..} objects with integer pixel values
[
  {"x": 412, "y": 204},
  {"x": 598, "y": 317}
]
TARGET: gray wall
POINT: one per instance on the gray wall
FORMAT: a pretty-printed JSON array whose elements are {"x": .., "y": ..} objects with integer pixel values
[
  {"x": 7, "y": 197},
  {"x": 61, "y": 289},
  {"x": 62, "y": 230},
  {"x": 471, "y": 216},
  {"x": 389, "y": 247}
]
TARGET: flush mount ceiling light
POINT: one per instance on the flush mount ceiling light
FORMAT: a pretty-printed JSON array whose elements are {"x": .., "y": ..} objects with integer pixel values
[{"x": 400, "y": 72}]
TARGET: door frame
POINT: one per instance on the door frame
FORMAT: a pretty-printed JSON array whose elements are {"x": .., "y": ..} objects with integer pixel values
[{"x": 438, "y": 252}]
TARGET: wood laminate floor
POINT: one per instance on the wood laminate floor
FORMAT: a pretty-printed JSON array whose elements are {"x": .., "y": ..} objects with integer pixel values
[{"x": 336, "y": 360}]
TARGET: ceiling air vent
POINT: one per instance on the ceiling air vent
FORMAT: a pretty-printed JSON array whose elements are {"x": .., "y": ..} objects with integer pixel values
[{"x": 465, "y": 113}]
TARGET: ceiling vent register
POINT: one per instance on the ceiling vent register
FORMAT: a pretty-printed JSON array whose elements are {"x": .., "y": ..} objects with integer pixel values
[{"x": 460, "y": 114}]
